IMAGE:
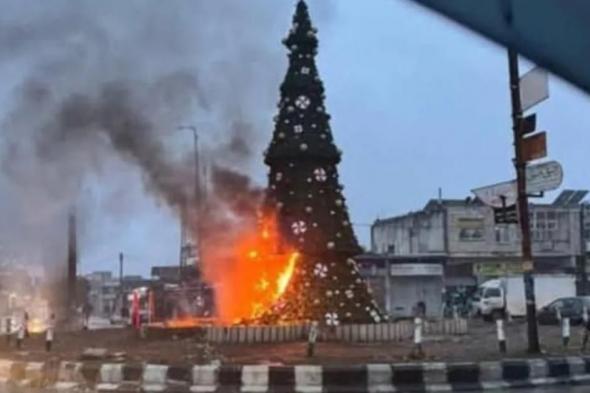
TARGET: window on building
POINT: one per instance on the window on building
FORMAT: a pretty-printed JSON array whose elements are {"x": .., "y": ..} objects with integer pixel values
[
  {"x": 543, "y": 225},
  {"x": 470, "y": 229},
  {"x": 504, "y": 234}
]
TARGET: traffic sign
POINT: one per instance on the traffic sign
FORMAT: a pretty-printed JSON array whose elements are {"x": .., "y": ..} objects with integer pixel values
[
  {"x": 534, "y": 147},
  {"x": 528, "y": 124},
  {"x": 534, "y": 88},
  {"x": 542, "y": 177},
  {"x": 506, "y": 215}
]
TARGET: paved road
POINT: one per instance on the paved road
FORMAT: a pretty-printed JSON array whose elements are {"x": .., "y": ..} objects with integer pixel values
[{"x": 553, "y": 389}]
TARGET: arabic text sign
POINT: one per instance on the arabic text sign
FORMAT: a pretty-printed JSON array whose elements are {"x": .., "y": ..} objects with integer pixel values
[{"x": 543, "y": 177}]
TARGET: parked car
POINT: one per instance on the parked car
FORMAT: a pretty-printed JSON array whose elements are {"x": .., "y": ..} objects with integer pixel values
[{"x": 571, "y": 307}]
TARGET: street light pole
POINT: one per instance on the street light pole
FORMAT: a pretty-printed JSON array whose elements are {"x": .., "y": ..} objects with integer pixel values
[
  {"x": 523, "y": 206},
  {"x": 198, "y": 190}
]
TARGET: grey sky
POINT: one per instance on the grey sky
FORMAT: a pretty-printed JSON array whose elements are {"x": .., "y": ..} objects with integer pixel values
[{"x": 417, "y": 103}]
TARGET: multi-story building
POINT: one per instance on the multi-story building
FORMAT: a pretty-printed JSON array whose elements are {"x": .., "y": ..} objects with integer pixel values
[
  {"x": 473, "y": 247},
  {"x": 105, "y": 292}
]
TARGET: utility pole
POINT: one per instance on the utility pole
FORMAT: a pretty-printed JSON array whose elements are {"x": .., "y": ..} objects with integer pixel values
[
  {"x": 583, "y": 259},
  {"x": 198, "y": 192},
  {"x": 522, "y": 203},
  {"x": 121, "y": 294},
  {"x": 72, "y": 265}
]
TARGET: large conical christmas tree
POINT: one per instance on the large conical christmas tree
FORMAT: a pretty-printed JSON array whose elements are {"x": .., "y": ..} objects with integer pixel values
[{"x": 307, "y": 197}]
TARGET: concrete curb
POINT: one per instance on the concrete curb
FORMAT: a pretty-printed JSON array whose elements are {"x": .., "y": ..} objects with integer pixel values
[{"x": 399, "y": 377}]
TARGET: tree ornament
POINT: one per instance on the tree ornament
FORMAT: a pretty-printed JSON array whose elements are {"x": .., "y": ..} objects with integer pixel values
[
  {"x": 302, "y": 102},
  {"x": 282, "y": 135},
  {"x": 279, "y": 176},
  {"x": 332, "y": 319},
  {"x": 299, "y": 227},
  {"x": 329, "y": 293},
  {"x": 320, "y": 270},
  {"x": 305, "y": 70},
  {"x": 298, "y": 129},
  {"x": 330, "y": 245},
  {"x": 308, "y": 209},
  {"x": 290, "y": 109},
  {"x": 320, "y": 174},
  {"x": 349, "y": 293},
  {"x": 303, "y": 146}
]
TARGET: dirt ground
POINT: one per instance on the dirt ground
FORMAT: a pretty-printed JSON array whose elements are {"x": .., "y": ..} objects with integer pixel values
[{"x": 479, "y": 344}]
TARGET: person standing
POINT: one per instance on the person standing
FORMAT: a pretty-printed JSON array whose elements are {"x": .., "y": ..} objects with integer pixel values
[
  {"x": 49, "y": 333},
  {"x": 26, "y": 324}
]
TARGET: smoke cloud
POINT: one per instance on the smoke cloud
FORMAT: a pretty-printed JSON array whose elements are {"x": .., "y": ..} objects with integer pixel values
[{"x": 91, "y": 97}]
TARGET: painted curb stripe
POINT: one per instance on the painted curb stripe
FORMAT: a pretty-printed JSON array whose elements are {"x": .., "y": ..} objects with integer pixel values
[
  {"x": 341, "y": 379},
  {"x": 463, "y": 376},
  {"x": 405, "y": 375},
  {"x": 426, "y": 377},
  {"x": 558, "y": 368},
  {"x": 515, "y": 370},
  {"x": 230, "y": 376},
  {"x": 281, "y": 378}
]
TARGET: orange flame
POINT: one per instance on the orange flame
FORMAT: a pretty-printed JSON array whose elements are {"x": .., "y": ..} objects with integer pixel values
[{"x": 252, "y": 275}]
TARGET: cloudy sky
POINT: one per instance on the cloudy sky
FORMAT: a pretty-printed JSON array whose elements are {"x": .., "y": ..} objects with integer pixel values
[{"x": 417, "y": 103}]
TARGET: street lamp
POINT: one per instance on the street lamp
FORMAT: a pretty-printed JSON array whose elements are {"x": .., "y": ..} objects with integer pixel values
[{"x": 197, "y": 193}]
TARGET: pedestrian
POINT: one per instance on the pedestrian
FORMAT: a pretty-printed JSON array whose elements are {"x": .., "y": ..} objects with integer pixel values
[
  {"x": 49, "y": 332},
  {"x": 26, "y": 324},
  {"x": 8, "y": 328},
  {"x": 20, "y": 335},
  {"x": 586, "y": 320},
  {"x": 419, "y": 315},
  {"x": 311, "y": 339},
  {"x": 87, "y": 311}
]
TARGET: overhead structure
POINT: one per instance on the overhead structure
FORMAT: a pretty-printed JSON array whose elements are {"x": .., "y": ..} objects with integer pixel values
[{"x": 553, "y": 34}]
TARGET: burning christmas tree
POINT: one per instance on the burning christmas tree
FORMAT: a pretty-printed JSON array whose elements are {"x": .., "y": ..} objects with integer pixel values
[{"x": 305, "y": 195}]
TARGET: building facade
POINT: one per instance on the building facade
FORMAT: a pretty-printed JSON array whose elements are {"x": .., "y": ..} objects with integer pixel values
[
  {"x": 400, "y": 283},
  {"x": 105, "y": 292},
  {"x": 474, "y": 248}
]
